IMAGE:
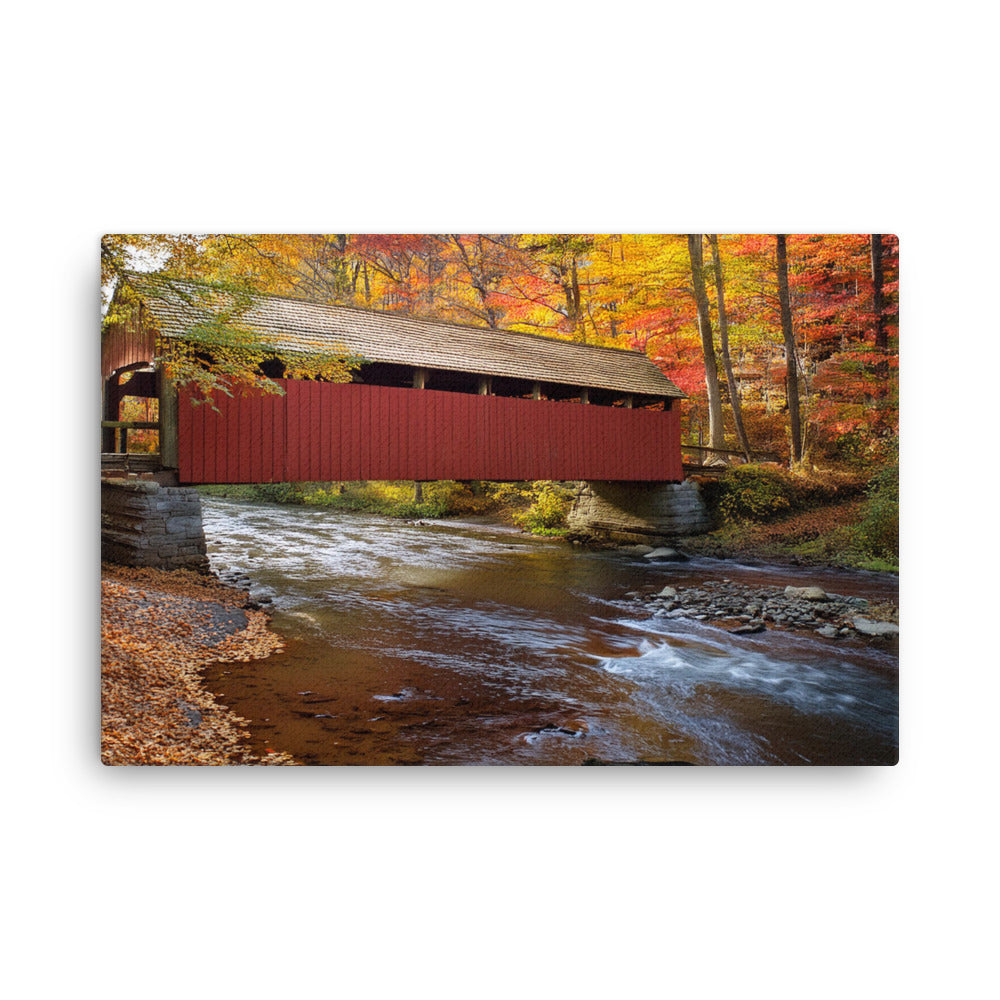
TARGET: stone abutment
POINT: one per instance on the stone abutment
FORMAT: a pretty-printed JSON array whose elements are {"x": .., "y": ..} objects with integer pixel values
[
  {"x": 146, "y": 524},
  {"x": 629, "y": 513}
]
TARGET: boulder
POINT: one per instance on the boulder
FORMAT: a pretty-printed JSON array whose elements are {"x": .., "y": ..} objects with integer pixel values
[
  {"x": 668, "y": 592},
  {"x": 806, "y": 593},
  {"x": 749, "y": 629},
  {"x": 665, "y": 554},
  {"x": 867, "y": 627}
]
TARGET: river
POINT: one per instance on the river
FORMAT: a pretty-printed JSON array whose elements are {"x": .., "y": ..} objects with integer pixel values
[{"x": 466, "y": 643}]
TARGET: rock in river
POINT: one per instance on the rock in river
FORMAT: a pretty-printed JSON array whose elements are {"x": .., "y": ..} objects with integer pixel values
[
  {"x": 665, "y": 554},
  {"x": 749, "y": 629},
  {"x": 867, "y": 627},
  {"x": 806, "y": 593}
]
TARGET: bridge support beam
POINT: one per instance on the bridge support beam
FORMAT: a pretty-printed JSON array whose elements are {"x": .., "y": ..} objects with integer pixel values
[
  {"x": 636, "y": 513},
  {"x": 146, "y": 524}
]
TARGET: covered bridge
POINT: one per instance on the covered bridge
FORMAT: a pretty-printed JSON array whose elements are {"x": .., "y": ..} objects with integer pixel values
[{"x": 430, "y": 400}]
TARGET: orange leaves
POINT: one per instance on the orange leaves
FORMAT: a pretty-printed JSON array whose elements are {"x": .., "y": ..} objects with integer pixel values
[{"x": 158, "y": 631}]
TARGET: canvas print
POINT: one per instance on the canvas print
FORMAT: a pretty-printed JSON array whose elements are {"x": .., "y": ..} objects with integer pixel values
[{"x": 499, "y": 499}]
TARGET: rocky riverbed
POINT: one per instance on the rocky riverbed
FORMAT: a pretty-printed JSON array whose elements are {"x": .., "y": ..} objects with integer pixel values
[{"x": 742, "y": 610}]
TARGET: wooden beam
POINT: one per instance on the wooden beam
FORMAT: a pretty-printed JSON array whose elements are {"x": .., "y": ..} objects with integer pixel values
[
  {"x": 420, "y": 378},
  {"x": 485, "y": 385},
  {"x": 169, "y": 454}
]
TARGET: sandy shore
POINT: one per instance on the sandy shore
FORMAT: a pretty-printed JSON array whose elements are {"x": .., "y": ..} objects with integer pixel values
[{"x": 158, "y": 631}]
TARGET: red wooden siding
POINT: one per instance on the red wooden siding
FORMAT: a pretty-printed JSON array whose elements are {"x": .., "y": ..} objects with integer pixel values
[
  {"x": 127, "y": 342},
  {"x": 321, "y": 431}
]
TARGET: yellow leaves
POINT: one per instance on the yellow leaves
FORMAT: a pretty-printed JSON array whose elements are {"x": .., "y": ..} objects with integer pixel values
[{"x": 335, "y": 365}]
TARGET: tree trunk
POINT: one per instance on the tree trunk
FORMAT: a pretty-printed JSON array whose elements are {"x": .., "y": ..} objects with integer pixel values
[
  {"x": 716, "y": 434},
  {"x": 878, "y": 281},
  {"x": 792, "y": 377},
  {"x": 734, "y": 397}
]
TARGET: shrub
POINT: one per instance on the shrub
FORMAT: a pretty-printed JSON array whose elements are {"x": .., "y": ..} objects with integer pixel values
[
  {"x": 878, "y": 532},
  {"x": 754, "y": 493},
  {"x": 277, "y": 493},
  {"x": 393, "y": 499},
  {"x": 263, "y": 492},
  {"x": 547, "y": 513}
]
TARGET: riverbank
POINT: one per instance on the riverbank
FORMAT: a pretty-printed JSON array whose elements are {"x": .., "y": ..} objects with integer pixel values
[
  {"x": 822, "y": 536},
  {"x": 539, "y": 508},
  {"x": 159, "y": 630}
]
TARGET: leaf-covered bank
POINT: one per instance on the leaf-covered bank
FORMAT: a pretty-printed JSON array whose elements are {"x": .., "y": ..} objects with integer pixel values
[
  {"x": 158, "y": 632},
  {"x": 839, "y": 520}
]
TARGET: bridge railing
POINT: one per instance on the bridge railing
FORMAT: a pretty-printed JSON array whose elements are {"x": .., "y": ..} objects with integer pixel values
[
  {"x": 121, "y": 429},
  {"x": 699, "y": 452}
]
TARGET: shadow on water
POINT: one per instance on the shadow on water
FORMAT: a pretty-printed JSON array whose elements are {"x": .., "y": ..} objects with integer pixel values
[{"x": 468, "y": 644}]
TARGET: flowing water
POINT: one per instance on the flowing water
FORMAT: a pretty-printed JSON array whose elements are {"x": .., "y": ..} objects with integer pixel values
[{"x": 462, "y": 643}]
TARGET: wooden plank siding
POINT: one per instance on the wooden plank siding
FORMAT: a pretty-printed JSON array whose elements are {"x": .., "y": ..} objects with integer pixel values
[
  {"x": 346, "y": 432},
  {"x": 128, "y": 341}
]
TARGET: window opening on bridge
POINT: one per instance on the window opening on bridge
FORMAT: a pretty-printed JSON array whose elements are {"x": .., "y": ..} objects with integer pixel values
[
  {"x": 272, "y": 368},
  {"x": 131, "y": 411},
  {"x": 383, "y": 373},
  {"x": 657, "y": 403},
  {"x": 474, "y": 383}
]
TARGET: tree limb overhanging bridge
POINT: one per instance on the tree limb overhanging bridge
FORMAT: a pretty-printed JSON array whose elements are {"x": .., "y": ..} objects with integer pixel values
[{"x": 429, "y": 400}]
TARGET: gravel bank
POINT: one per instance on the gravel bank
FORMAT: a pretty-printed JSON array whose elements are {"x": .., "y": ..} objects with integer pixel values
[
  {"x": 745, "y": 610},
  {"x": 158, "y": 632}
]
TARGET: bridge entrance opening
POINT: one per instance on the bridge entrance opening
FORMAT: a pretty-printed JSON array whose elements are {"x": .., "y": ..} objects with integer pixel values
[{"x": 131, "y": 418}]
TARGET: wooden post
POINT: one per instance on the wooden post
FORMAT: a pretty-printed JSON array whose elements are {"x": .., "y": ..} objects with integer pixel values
[
  {"x": 168, "y": 422},
  {"x": 584, "y": 395},
  {"x": 419, "y": 382},
  {"x": 629, "y": 401},
  {"x": 536, "y": 390},
  {"x": 110, "y": 412},
  {"x": 485, "y": 385}
]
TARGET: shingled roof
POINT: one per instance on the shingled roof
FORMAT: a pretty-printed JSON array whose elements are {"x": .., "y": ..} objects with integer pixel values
[{"x": 300, "y": 326}]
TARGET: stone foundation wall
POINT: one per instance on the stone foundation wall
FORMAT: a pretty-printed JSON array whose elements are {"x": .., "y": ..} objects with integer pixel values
[
  {"x": 146, "y": 524},
  {"x": 624, "y": 513}
]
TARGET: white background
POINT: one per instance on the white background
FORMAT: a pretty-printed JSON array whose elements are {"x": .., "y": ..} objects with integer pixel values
[{"x": 465, "y": 882}]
